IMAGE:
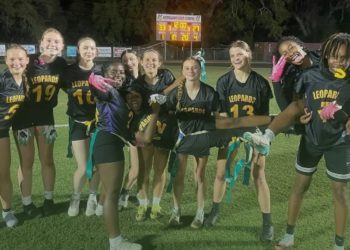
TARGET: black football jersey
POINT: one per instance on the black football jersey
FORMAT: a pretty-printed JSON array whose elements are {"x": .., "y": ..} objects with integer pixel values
[
  {"x": 44, "y": 81},
  {"x": 320, "y": 88},
  {"x": 243, "y": 99},
  {"x": 165, "y": 78},
  {"x": 193, "y": 115},
  {"x": 81, "y": 102},
  {"x": 11, "y": 96},
  {"x": 166, "y": 128},
  {"x": 113, "y": 114}
]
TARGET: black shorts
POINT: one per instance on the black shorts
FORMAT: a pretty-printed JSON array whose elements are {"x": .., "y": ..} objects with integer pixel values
[
  {"x": 29, "y": 116},
  {"x": 337, "y": 159},
  {"x": 199, "y": 145},
  {"x": 107, "y": 148},
  {"x": 79, "y": 131},
  {"x": 4, "y": 132}
]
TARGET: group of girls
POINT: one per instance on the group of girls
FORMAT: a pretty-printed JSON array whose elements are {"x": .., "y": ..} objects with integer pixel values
[{"x": 108, "y": 108}]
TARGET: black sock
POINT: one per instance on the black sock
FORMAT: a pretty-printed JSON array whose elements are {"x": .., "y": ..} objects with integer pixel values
[
  {"x": 266, "y": 218},
  {"x": 339, "y": 241},
  {"x": 216, "y": 207},
  {"x": 290, "y": 229},
  {"x": 6, "y": 210}
]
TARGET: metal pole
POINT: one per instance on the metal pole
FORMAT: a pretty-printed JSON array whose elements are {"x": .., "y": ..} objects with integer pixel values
[
  {"x": 164, "y": 50},
  {"x": 191, "y": 47}
]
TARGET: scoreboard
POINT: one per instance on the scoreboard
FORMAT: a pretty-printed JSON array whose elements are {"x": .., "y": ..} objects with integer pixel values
[{"x": 183, "y": 28}]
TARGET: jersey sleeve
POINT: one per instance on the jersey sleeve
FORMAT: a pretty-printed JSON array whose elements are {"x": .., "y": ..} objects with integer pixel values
[
  {"x": 172, "y": 100},
  {"x": 266, "y": 95},
  {"x": 344, "y": 94},
  {"x": 220, "y": 89},
  {"x": 169, "y": 78}
]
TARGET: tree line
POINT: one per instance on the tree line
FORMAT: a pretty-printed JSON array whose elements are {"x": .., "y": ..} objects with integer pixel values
[{"x": 132, "y": 22}]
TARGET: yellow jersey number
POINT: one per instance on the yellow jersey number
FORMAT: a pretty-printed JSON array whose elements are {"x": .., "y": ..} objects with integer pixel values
[
  {"x": 48, "y": 93},
  {"x": 249, "y": 109},
  {"x": 11, "y": 112},
  {"x": 79, "y": 95}
]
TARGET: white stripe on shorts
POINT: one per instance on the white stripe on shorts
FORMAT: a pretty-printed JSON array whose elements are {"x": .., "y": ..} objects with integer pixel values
[
  {"x": 304, "y": 170},
  {"x": 338, "y": 176}
]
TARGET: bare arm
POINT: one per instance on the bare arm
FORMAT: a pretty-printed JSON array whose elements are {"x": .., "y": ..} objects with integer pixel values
[
  {"x": 288, "y": 117},
  {"x": 242, "y": 122},
  {"x": 145, "y": 137},
  {"x": 176, "y": 83}
]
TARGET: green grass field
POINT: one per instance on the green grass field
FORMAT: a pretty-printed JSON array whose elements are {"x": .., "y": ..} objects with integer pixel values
[{"x": 238, "y": 227}]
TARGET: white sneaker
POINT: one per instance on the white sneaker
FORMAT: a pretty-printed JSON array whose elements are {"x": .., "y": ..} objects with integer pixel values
[
  {"x": 338, "y": 247},
  {"x": 126, "y": 245},
  {"x": 286, "y": 241},
  {"x": 198, "y": 221},
  {"x": 175, "y": 217},
  {"x": 10, "y": 219},
  {"x": 91, "y": 205},
  {"x": 73, "y": 209},
  {"x": 123, "y": 201},
  {"x": 99, "y": 210}
]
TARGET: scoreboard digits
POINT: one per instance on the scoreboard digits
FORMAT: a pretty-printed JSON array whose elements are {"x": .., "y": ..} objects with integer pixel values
[{"x": 178, "y": 28}]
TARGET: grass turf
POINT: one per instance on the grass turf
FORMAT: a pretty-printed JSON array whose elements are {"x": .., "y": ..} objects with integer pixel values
[{"x": 238, "y": 226}]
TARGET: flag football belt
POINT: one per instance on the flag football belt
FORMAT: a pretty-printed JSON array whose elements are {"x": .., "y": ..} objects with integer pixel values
[
  {"x": 238, "y": 167},
  {"x": 173, "y": 163},
  {"x": 88, "y": 125}
]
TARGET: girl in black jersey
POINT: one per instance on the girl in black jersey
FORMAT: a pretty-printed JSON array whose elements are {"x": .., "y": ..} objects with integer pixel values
[
  {"x": 13, "y": 84},
  {"x": 243, "y": 92},
  {"x": 132, "y": 65},
  {"x": 111, "y": 135},
  {"x": 156, "y": 80},
  {"x": 193, "y": 109},
  {"x": 35, "y": 119},
  {"x": 322, "y": 138},
  {"x": 81, "y": 112},
  {"x": 293, "y": 59}
]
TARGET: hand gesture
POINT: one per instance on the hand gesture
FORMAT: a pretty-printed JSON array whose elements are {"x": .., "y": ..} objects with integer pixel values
[
  {"x": 327, "y": 112},
  {"x": 101, "y": 83},
  {"x": 277, "y": 68}
]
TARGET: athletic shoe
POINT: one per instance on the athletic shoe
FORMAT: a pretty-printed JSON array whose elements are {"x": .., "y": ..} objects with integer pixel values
[
  {"x": 123, "y": 201},
  {"x": 267, "y": 233},
  {"x": 48, "y": 207},
  {"x": 141, "y": 213},
  {"x": 99, "y": 210},
  {"x": 156, "y": 212},
  {"x": 338, "y": 247},
  {"x": 175, "y": 218},
  {"x": 73, "y": 209},
  {"x": 258, "y": 141},
  {"x": 31, "y": 211},
  {"x": 91, "y": 205},
  {"x": 197, "y": 221},
  {"x": 10, "y": 219},
  {"x": 126, "y": 245},
  {"x": 211, "y": 220},
  {"x": 286, "y": 242}
]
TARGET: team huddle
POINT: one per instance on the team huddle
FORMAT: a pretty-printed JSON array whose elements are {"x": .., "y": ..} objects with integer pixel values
[{"x": 136, "y": 103}]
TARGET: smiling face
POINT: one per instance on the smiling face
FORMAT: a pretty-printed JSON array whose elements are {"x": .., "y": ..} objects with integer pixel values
[
  {"x": 292, "y": 51},
  {"x": 51, "y": 44},
  {"x": 87, "y": 49},
  {"x": 117, "y": 73},
  {"x": 151, "y": 63},
  {"x": 240, "y": 58},
  {"x": 191, "y": 70},
  {"x": 16, "y": 60},
  {"x": 131, "y": 62},
  {"x": 134, "y": 101},
  {"x": 339, "y": 59}
]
